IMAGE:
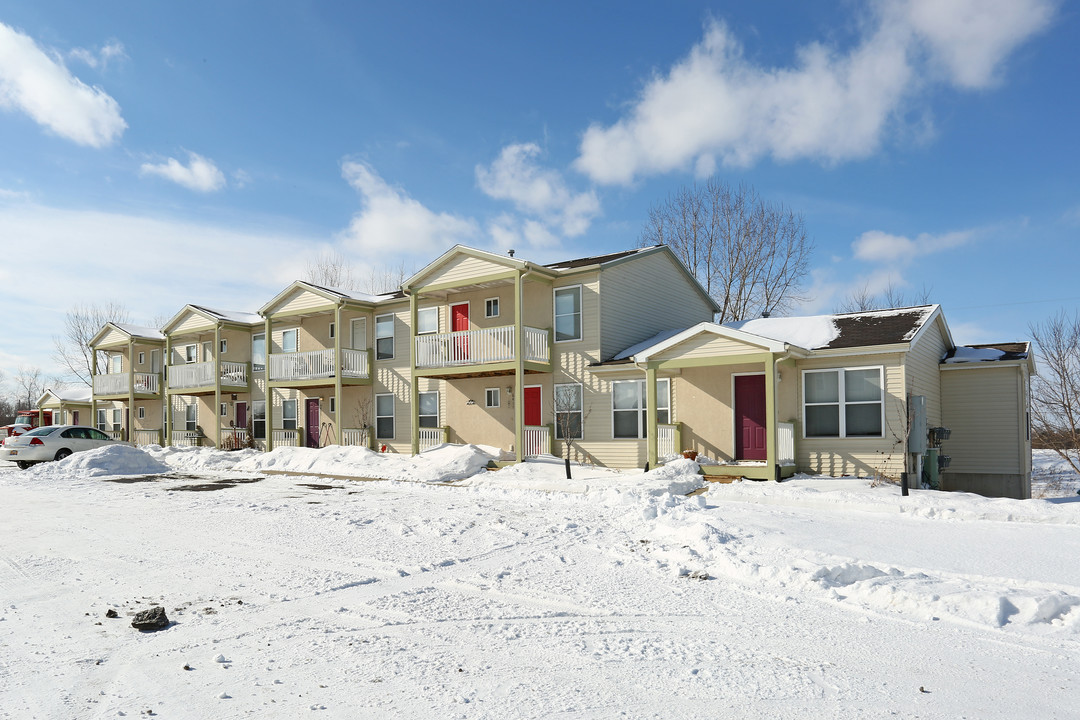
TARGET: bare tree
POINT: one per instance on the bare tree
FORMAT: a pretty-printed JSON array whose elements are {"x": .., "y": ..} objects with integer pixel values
[
  {"x": 29, "y": 385},
  {"x": 751, "y": 256},
  {"x": 569, "y": 417},
  {"x": 861, "y": 299},
  {"x": 1055, "y": 391},
  {"x": 72, "y": 349},
  {"x": 330, "y": 269},
  {"x": 386, "y": 278}
]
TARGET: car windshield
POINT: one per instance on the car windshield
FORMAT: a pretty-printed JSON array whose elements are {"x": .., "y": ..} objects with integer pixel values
[
  {"x": 24, "y": 420},
  {"x": 47, "y": 430}
]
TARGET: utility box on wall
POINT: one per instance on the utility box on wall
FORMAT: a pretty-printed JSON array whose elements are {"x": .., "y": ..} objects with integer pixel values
[{"x": 916, "y": 441}]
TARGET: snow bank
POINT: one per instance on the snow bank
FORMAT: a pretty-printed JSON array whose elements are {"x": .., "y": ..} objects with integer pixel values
[
  {"x": 444, "y": 463},
  {"x": 107, "y": 460},
  {"x": 549, "y": 475},
  {"x": 199, "y": 459}
]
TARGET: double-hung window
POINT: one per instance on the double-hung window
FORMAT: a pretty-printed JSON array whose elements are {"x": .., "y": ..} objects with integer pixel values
[
  {"x": 288, "y": 341},
  {"x": 117, "y": 418},
  {"x": 491, "y": 307},
  {"x": 116, "y": 363},
  {"x": 258, "y": 419},
  {"x": 191, "y": 417},
  {"x": 102, "y": 422},
  {"x": 384, "y": 416},
  {"x": 568, "y": 313},
  {"x": 191, "y": 354},
  {"x": 258, "y": 352},
  {"x": 384, "y": 337},
  {"x": 427, "y": 321},
  {"x": 491, "y": 397},
  {"x": 846, "y": 402},
  {"x": 568, "y": 409},
  {"x": 288, "y": 414},
  {"x": 428, "y": 410},
  {"x": 629, "y": 407}
]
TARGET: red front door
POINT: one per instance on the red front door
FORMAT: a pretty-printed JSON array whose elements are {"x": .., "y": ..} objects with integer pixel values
[
  {"x": 241, "y": 415},
  {"x": 750, "y": 417},
  {"x": 459, "y": 321},
  {"x": 533, "y": 406},
  {"x": 313, "y": 423}
]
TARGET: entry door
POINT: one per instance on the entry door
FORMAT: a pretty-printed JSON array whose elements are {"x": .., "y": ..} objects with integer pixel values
[
  {"x": 74, "y": 417},
  {"x": 313, "y": 422},
  {"x": 459, "y": 319},
  {"x": 241, "y": 415},
  {"x": 750, "y": 417},
  {"x": 533, "y": 406}
]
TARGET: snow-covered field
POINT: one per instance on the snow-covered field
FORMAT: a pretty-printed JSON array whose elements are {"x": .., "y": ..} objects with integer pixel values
[{"x": 518, "y": 594}]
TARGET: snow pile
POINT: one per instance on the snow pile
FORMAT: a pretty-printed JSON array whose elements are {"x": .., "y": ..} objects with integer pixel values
[
  {"x": 806, "y": 332},
  {"x": 199, "y": 459},
  {"x": 106, "y": 460},
  {"x": 548, "y": 474},
  {"x": 444, "y": 463}
]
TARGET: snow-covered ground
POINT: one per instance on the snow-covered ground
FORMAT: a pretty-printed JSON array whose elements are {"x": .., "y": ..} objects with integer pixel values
[
  {"x": 1051, "y": 476},
  {"x": 448, "y": 591}
]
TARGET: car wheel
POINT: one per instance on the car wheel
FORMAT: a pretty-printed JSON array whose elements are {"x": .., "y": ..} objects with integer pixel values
[
  {"x": 61, "y": 454},
  {"x": 23, "y": 464}
]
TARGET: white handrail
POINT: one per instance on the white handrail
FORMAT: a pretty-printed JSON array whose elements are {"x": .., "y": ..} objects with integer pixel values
[
  {"x": 354, "y": 363},
  {"x": 537, "y": 440},
  {"x": 233, "y": 438},
  {"x": 191, "y": 375},
  {"x": 118, "y": 383},
  {"x": 431, "y": 437},
  {"x": 665, "y": 441},
  {"x": 355, "y": 437},
  {"x": 186, "y": 438},
  {"x": 234, "y": 374},
  {"x": 785, "y": 443},
  {"x": 285, "y": 438},
  {"x": 302, "y": 365},
  {"x": 475, "y": 347},
  {"x": 535, "y": 345}
]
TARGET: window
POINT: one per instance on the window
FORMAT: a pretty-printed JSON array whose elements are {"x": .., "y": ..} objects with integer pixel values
[
  {"x": 288, "y": 341},
  {"x": 384, "y": 416},
  {"x": 206, "y": 356},
  {"x": 848, "y": 402},
  {"x": 568, "y": 313},
  {"x": 428, "y": 411},
  {"x": 258, "y": 419},
  {"x": 223, "y": 346},
  {"x": 333, "y": 404},
  {"x": 288, "y": 415},
  {"x": 332, "y": 331},
  {"x": 102, "y": 422},
  {"x": 117, "y": 418},
  {"x": 191, "y": 353},
  {"x": 427, "y": 321},
  {"x": 491, "y": 397},
  {"x": 629, "y": 407},
  {"x": 223, "y": 410},
  {"x": 258, "y": 351},
  {"x": 491, "y": 307},
  {"x": 358, "y": 334},
  {"x": 568, "y": 411},
  {"x": 116, "y": 363},
  {"x": 155, "y": 361},
  {"x": 141, "y": 412},
  {"x": 142, "y": 358},
  {"x": 384, "y": 337},
  {"x": 191, "y": 417}
]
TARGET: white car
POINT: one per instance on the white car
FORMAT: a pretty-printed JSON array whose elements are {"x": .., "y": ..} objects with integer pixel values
[{"x": 52, "y": 442}]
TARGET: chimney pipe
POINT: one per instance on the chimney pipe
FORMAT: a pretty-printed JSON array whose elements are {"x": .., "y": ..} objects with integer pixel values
[
  {"x": 510, "y": 253},
  {"x": 764, "y": 313}
]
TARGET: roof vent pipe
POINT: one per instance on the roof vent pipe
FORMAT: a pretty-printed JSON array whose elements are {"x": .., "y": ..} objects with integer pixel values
[
  {"x": 764, "y": 313},
  {"x": 510, "y": 253}
]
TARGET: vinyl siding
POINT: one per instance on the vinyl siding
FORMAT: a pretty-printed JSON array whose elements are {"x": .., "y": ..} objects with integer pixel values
[
  {"x": 393, "y": 376},
  {"x": 644, "y": 296},
  {"x": 923, "y": 377},
  {"x": 982, "y": 408},
  {"x": 300, "y": 300},
  {"x": 463, "y": 268},
  {"x": 707, "y": 344},
  {"x": 113, "y": 338},
  {"x": 192, "y": 322}
]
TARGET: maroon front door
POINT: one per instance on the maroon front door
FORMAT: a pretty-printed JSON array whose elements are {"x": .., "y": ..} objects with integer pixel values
[
  {"x": 750, "y": 417},
  {"x": 241, "y": 415},
  {"x": 533, "y": 407},
  {"x": 313, "y": 423}
]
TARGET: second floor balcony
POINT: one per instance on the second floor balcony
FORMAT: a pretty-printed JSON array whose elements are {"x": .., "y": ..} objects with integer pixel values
[
  {"x": 480, "y": 347},
  {"x": 318, "y": 365},
  {"x": 120, "y": 384},
  {"x": 200, "y": 375}
]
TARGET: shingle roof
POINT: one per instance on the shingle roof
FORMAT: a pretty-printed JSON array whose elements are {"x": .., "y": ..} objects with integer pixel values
[
  {"x": 595, "y": 259},
  {"x": 140, "y": 331},
  {"x": 988, "y": 352},
  {"x": 883, "y": 327}
]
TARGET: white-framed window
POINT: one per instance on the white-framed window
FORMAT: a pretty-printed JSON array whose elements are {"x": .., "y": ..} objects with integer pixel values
[
  {"x": 258, "y": 419},
  {"x": 384, "y": 416},
  {"x": 155, "y": 361},
  {"x": 117, "y": 418},
  {"x": 191, "y": 417},
  {"x": 116, "y": 363},
  {"x": 491, "y": 307},
  {"x": 258, "y": 351},
  {"x": 333, "y": 330},
  {"x": 288, "y": 415},
  {"x": 427, "y": 321},
  {"x": 223, "y": 346},
  {"x": 223, "y": 410},
  {"x": 629, "y": 407},
  {"x": 844, "y": 403},
  {"x": 384, "y": 337},
  {"x": 568, "y": 410},
  {"x": 142, "y": 358},
  {"x": 141, "y": 412},
  {"x": 567, "y": 313},
  {"x": 288, "y": 340},
  {"x": 102, "y": 420},
  {"x": 491, "y": 397},
  {"x": 428, "y": 410},
  {"x": 333, "y": 404}
]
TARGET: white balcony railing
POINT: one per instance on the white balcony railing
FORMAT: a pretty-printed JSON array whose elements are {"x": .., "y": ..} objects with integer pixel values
[
  {"x": 355, "y": 437},
  {"x": 195, "y": 375},
  {"x": 354, "y": 363},
  {"x": 785, "y": 443},
  {"x": 118, "y": 383},
  {"x": 315, "y": 364},
  {"x": 186, "y": 438},
  {"x": 285, "y": 438},
  {"x": 476, "y": 347},
  {"x": 537, "y": 440},
  {"x": 233, "y": 438},
  {"x": 147, "y": 437},
  {"x": 667, "y": 441},
  {"x": 431, "y": 437}
]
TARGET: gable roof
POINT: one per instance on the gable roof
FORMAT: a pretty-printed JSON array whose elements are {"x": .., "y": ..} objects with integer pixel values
[
  {"x": 132, "y": 331},
  {"x": 894, "y": 326},
  {"x": 77, "y": 394},
  {"x": 243, "y": 318},
  {"x": 597, "y": 259},
  {"x": 331, "y": 294}
]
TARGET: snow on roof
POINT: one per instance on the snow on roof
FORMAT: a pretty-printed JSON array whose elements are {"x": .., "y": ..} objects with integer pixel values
[
  {"x": 140, "y": 331},
  {"x": 351, "y": 294},
  {"x": 78, "y": 393},
  {"x": 655, "y": 339},
  {"x": 245, "y": 318},
  {"x": 811, "y": 332},
  {"x": 986, "y": 353}
]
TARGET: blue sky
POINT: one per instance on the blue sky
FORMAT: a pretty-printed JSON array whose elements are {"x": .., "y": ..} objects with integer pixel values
[{"x": 156, "y": 154}]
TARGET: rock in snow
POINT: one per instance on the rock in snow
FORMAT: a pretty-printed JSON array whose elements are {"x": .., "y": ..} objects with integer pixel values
[{"x": 152, "y": 619}]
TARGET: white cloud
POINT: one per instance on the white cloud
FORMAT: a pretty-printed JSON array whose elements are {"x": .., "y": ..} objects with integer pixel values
[
  {"x": 392, "y": 223},
  {"x": 537, "y": 191},
  {"x": 715, "y": 105},
  {"x": 880, "y": 247},
  {"x": 42, "y": 87},
  {"x": 107, "y": 53},
  {"x": 200, "y": 174}
]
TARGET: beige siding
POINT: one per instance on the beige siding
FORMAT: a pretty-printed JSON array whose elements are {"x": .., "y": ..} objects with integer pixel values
[
  {"x": 922, "y": 364},
  {"x": 982, "y": 408},
  {"x": 857, "y": 456},
  {"x": 300, "y": 300},
  {"x": 192, "y": 322},
  {"x": 393, "y": 375},
  {"x": 477, "y": 423},
  {"x": 644, "y": 296},
  {"x": 113, "y": 338},
  {"x": 463, "y": 268},
  {"x": 707, "y": 344}
]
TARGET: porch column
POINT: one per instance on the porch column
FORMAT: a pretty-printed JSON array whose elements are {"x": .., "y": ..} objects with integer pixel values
[
  {"x": 770, "y": 415},
  {"x": 268, "y": 393},
  {"x": 519, "y": 373},
  {"x": 414, "y": 382},
  {"x": 93, "y": 390},
  {"x": 339, "y": 367},
  {"x": 217, "y": 385},
  {"x": 165, "y": 396},
  {"x": 130, "y": 415},
  {"x": 650, "y": 414}
]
